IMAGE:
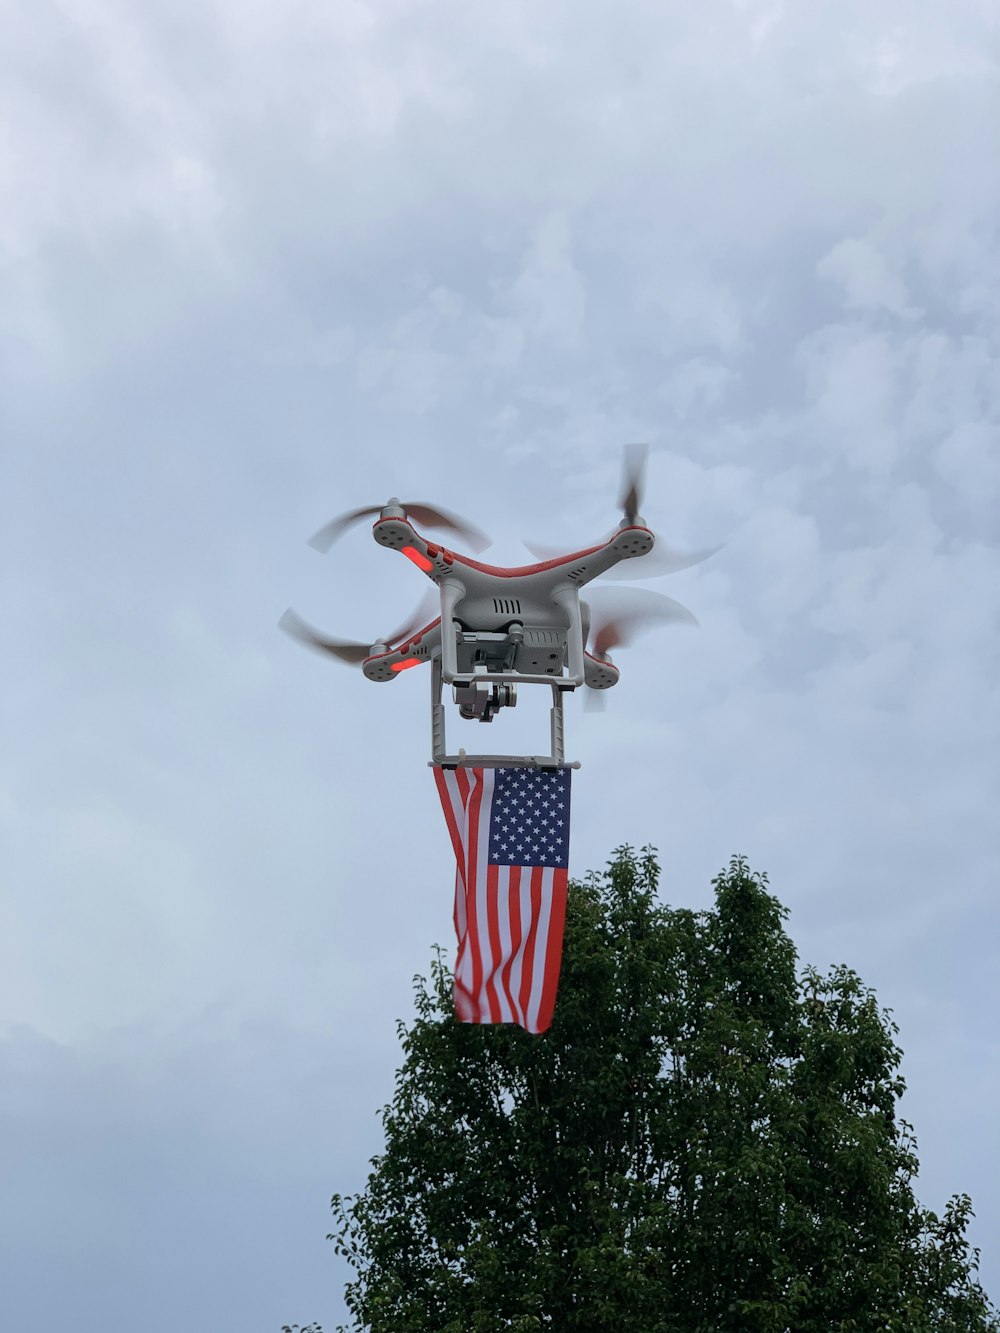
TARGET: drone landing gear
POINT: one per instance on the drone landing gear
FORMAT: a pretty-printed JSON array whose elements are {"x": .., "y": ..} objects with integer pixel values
[{"x": 482, "y": 699}]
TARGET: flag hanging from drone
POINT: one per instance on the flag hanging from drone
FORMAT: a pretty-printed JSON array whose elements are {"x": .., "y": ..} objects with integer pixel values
[{"x": 510, "y": 831}]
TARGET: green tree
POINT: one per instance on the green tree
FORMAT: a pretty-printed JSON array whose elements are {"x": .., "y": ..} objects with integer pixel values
[{"x": 703, "y": 1141}]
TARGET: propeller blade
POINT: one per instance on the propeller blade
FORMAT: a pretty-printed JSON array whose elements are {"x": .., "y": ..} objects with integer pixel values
[
  {"x": 343, "y": 649},
  {"x": 335, "y": 529},
  {"x": 427, "y": 515},
  {"x": 349, "y": 650},
  {"x": 661, "y": 560},
  {"x": 633, "y": 480},
  {"x": 542, "y": 552},
  {"x": 432, "y": 517},
  {"x": 423, "y": 615},
  {"x": 615, "y": 623}
]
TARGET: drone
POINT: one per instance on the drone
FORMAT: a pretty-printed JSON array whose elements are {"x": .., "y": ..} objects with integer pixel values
[{"x": 499, "y": 629}]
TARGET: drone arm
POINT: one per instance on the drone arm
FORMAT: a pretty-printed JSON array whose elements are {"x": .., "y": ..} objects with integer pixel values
[
  {"x": 626, "y": 544},
  {"x": 419, "y": 648},
  {"x": 399, "y": 534}
]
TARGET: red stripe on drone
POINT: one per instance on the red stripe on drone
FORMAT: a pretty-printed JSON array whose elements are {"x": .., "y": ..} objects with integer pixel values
[{"x": 524, "y": 570}]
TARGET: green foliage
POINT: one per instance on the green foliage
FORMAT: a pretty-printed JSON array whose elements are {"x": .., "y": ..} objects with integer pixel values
[{"x": 702, "y": 1141}]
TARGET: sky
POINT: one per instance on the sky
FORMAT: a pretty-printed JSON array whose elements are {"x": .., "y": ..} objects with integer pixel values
[{"x": 261, "y": 263}]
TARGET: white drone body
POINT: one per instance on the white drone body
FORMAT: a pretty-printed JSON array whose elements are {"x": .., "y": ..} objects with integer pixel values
[{"x": 499, "y": 628}]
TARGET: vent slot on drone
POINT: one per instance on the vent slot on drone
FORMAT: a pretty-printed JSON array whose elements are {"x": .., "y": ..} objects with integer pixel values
[
  {"x": 540, "y": 637},
  {"x": 506, "y": 606}
]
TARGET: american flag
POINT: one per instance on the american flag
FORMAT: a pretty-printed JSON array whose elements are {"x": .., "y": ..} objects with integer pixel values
[{"x": 510, "y": 831}]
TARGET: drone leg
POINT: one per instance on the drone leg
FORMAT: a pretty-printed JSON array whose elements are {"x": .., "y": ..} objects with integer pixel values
[
  {"x": 558, "y": 731},
  {"x": 452, "y": 593},
  {"x": 438, "y": 742},
  {"x": 569, "y": 599}
]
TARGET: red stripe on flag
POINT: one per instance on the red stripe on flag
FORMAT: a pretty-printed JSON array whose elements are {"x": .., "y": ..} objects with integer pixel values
[
  {"x": 453, "y": 789},
  {"x": 454, "y": 809},
  {"x": 553, "y": 950},
  {"x": 460, "y": 914},
  {"x": 493, "y": 954},
  {"x": 473, "y": 905}
]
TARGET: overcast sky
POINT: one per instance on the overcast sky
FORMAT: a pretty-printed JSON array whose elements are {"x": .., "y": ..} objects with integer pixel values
[{"x": 260, "y": 263}]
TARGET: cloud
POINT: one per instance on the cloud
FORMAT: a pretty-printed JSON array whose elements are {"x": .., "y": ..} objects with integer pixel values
[
  {"x": 256, "y": 269},
  {"x": 548, "y": 293},
  {"x": 867, "y": 280}
]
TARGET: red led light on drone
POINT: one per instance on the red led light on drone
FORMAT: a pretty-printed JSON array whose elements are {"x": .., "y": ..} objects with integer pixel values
[
  {"x": 403, "y": 666},
  {"x": 418, "y": 559}
]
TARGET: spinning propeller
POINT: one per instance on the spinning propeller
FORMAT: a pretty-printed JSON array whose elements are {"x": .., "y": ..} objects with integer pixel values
[
  {"x": 633, "y": 483},
  {"x": 663, "y": 559},
  {"x": 623, "y": 615},
  {"x": 427, "y": 515},
  {"x": 349, "y": 650}
]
